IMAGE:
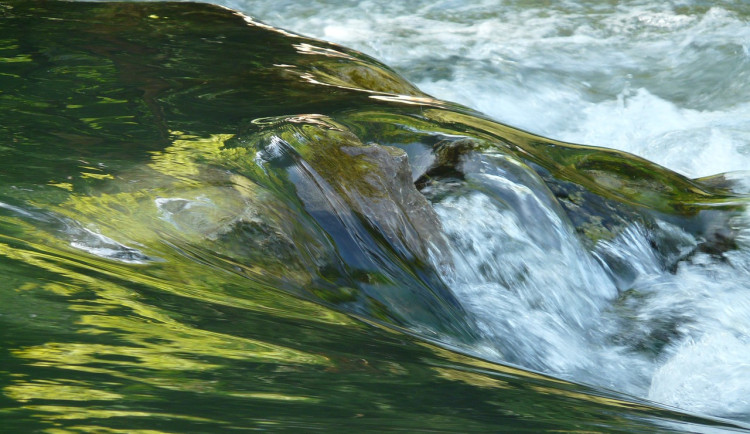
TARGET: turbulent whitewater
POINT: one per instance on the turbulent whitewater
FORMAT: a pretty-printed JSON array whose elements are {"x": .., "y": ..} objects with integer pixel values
[{"x": 208, "y": 223}]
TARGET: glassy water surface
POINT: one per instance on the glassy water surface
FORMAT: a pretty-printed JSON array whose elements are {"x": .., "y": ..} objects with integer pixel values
[{"x": 208, "y": 223}]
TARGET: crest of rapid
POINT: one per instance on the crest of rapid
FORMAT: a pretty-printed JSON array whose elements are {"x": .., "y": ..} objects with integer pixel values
[{"x": 278, "y": 232}]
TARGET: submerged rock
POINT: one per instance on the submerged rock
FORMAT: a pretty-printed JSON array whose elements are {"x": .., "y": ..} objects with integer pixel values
[
  {"x": 379, "y": 234},
  {"x": 402, "y": 214}
]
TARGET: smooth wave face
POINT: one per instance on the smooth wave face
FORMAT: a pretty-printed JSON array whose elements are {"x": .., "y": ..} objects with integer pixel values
[{"x": 277, "y": 232}]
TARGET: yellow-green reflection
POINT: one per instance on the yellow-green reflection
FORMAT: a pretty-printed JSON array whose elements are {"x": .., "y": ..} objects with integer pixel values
[
  {"x": 471, "y": 378},
  {"x": 56, "y": 390},
  {"x": 60, "y": 412},
  {"x": 153, "y": 349},
  {"x": 100, "y": 429}
]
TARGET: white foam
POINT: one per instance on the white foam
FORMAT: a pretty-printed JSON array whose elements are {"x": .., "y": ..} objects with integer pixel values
[
  {"x": 695, "y": 143},
  {"x": 708, "y": 376}
]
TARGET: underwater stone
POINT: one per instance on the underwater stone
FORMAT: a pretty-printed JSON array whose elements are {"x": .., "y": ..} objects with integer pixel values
[{"x": 403, "y": 214}]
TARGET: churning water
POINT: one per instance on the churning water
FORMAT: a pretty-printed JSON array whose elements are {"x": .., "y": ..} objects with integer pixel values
[{"x": 669, "y": 81}]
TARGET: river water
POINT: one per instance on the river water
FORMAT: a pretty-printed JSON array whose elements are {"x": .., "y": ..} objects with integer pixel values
[
  {"x": 665, "y": 80},
  {"x": 161, "y": 276},
  {"x": 669, "y": 81}
]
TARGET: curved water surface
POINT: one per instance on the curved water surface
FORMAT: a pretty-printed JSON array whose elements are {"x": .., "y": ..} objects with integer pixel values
[{"x": 274, "y": 231}]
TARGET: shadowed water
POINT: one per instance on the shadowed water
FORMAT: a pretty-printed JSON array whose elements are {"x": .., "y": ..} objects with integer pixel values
[{"x": 209, "y": 224}]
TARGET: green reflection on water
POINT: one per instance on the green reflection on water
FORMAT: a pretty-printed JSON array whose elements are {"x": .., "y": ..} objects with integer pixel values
[{"x": 120, "y": 316}]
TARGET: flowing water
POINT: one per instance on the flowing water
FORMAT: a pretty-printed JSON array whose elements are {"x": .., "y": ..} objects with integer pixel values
[
  {"x": 669, "y": 81},
  {"x": 208, "y": 223},
  {"x": 666, "y": 80}
]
